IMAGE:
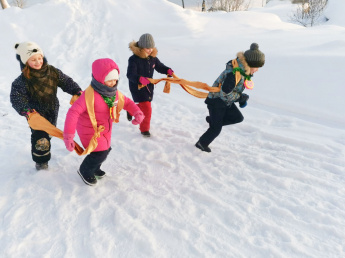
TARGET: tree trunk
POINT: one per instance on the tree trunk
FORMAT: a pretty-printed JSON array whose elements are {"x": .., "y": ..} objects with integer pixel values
[{"x": 4, "y": 4}]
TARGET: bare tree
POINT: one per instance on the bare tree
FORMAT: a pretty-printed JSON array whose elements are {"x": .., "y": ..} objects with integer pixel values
[
  {"x": 230, "y": 5},
  {"x": 19, "y": 3},
  {"x": 183, "y": 3},
  {"x": 308, "y": 12},
  {"x": 4, "y": 4}
]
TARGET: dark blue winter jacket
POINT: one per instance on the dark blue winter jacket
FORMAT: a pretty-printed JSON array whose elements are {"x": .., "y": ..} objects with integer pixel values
[{"x": 139, "y": 64}]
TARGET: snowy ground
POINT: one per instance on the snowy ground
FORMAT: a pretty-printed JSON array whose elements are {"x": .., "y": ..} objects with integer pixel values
[{"x": 273, "y": 186}]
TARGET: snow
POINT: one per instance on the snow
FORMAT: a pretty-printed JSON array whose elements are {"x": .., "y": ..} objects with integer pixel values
[
  {"x": 273, "y": 186},
  {"x": 335, "y": 12}
]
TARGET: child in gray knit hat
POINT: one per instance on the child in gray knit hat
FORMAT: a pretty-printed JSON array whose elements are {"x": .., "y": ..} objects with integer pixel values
[
  {"x": 146, "y": 41},
  {"x": 141, "y": 66},
  {"x": 232, "y": 81}
]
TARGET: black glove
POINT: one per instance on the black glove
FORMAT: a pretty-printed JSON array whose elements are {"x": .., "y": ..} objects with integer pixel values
[{"x": 243, "y": 100}]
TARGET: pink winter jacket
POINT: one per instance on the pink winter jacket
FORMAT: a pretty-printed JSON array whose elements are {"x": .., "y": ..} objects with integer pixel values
[{"x": 78, "y": 117}]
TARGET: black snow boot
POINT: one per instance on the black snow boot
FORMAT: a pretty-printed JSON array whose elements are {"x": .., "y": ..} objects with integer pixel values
[
  {"x": 146, "y": 134},
  {"x": 40, "y": 166},
  {"x": 129, "y": 116},
  {"x": 88, "y": 180},
  {"x": 203, "y": 148},
  {"x": 99, "y": 174}
]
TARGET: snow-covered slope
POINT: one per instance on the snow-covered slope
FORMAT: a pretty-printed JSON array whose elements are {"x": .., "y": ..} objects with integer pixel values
[{"x": 273, "y": 186}]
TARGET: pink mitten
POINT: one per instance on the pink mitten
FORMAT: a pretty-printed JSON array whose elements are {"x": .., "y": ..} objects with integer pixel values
[
  {"x": 138, "y": 118},
  {"x": 68, "y": 139},
  {"x": 170, "y": 72},
  {"x": 144, "y": 81}
]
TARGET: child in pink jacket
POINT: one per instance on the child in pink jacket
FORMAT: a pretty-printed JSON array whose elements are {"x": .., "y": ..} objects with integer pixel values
[{"x": 105, "y": 75}]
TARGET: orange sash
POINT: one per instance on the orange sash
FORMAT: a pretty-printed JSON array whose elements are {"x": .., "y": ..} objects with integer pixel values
[
  {"x": 38, "y": 122},
  {"x": 187, "y": 85}
]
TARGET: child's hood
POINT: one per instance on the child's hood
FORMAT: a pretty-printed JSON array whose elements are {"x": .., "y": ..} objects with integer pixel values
[
  {"x": 133, "y": 46},
  {"x": 101, "y": 68}
]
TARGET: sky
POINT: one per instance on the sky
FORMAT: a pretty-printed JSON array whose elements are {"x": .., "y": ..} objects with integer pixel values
[{"x": 273, "y": 186}]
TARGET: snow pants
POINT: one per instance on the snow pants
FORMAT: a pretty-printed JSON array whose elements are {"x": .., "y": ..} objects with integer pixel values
[
  {"x": 219, "y": 117},
  {"x": 40, "y": 146},
  {"x": 146, "y": 108},
  {"x": 92, "y": 162}
]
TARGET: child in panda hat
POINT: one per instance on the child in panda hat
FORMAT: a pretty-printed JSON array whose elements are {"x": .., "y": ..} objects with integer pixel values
[
  {"x": 35, "y": 89},
  {"x": 232, "y": 81}
]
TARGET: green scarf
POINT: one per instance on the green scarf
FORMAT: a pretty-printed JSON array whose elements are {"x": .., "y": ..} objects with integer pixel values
[
  {"x": 109, "y": 100},
  {"x": 246, "y": 77}
]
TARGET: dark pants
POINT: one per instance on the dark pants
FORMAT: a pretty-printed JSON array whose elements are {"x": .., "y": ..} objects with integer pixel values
[
  {"x": 92, "y": 162},
  {"x": 219, "y": 117},
  {"x": 40, "y": 146}
]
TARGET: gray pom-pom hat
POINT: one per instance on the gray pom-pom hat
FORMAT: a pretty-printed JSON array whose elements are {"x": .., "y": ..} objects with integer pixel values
[{"x": 254, "y": 57}]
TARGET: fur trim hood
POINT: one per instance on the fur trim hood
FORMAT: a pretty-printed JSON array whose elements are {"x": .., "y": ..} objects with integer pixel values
[
  {"x": 242, "y": 59},
  {"x": 133, "y": 46}
]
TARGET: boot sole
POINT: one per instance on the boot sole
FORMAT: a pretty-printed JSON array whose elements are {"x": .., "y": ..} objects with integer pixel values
[
  {"x": 146, "y": 135},
  {"x": 99, "y": 177},
  {"x": 86, "y": 182}
]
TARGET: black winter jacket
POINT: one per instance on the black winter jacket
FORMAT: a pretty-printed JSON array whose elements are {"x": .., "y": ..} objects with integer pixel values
[
  {"x": 21, "y": 100},
  {"x": 139, "y": 64}
]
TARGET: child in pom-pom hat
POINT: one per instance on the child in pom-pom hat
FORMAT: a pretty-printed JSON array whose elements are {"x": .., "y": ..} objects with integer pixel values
[
  {"x": 105, "y": 101},
  {"x": 232, "y": 81},
  {"x": 36, "y": 90}
]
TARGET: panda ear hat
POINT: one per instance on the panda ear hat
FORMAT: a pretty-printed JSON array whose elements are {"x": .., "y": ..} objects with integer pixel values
[{"x": 27, "y": 49}]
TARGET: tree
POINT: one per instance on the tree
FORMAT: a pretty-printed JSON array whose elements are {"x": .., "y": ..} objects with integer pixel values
[
  {"x": 308, "y": 12},
  {"x": 19, "y": 3},
  {"x": 230, "y": 5},
  {"x": 182, "y": 3},
  {"x": 4, "y": 4}
]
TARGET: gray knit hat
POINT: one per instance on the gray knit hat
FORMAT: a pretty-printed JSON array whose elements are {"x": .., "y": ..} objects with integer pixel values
[
  {"x": 254, "y": 57},
  {"x": 146, "y": 41}
]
